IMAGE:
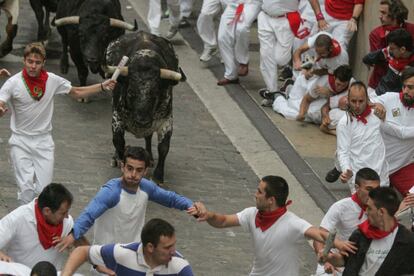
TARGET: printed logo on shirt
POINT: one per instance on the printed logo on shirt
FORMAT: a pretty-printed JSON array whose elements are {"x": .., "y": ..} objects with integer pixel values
[{"x": 396, "y": 112}]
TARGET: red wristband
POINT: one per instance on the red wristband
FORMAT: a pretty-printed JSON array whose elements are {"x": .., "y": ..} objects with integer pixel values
[{"x": 320, "y": 16}]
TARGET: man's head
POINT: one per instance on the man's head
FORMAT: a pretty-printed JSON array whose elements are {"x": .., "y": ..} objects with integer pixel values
[
  {"x": 34, "y": 58},
  {"x": 343, "y": 75},
  {"x": 366, "y": 180},
  {"x": 392, "y": 12},
  {"x": 134, "y": 165},
  {"x": 271, "y": 193},
  {"x": 357, "y": 97},
  {"x": 383, "y": 203},
  {"x": 407, "y": 78},
  {"x": 54, "y": 202},
  {"x": 43, "y": 269},
  {"x": 400, "y": 43},
  {"x": 158, "y": 241},
  {"x": 323, "y": 45}
]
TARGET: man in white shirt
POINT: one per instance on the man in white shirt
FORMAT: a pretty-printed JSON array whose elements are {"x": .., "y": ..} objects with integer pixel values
[
  {"x": 28, "y": 234},
  {"x": 359, "y": 142},
  {"x": 30, "y": 94},
  {"x": 275, "y": 231},
  {"x": 398, "y": 133},
  {"x": 155, "y": 255}
]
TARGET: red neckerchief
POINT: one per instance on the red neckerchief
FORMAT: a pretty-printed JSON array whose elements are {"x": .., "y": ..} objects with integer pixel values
[
  {"x": 404, "y": 103},
  {"x": 374, "y": 233},
  {"x": 397, "y": 64},
  {"x": 266, "y": 219},
  {"x": 46, "y": 231},
  {"x": 385, "y": 30},
  {"x": 336, "y": 50},
  {"x": 237, "y": 15},
  {"x": 363, "y": 116},
  {"x": 36, "y": 86},
  {"x": 331, "y": 80},
  {"x": 294, "y": 22},
  {"x": 363, "y": 207}
]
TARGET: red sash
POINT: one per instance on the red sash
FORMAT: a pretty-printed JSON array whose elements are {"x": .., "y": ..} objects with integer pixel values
[
  {"x": 397, "y": 64},
  {"x": 372, "y": 232},
  {"x": 266, "y": 219},
  {"x": 336, "y": 50},
  {"x": 36, "y": 86},
  {"x": 363, "y": 116},
  {"x": 237, "y": 15},
  {"x": 46, "y": 231},
  {"x": 295, "y": 21},
  {"x": 363, "y": 207},
  {"x": 404, "y": 103}
]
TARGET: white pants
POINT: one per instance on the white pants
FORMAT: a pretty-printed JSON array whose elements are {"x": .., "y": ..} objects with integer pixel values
[
  {"x": 276, "y": 40},
  {"x": 155, "y": 11},
  {"x": 186, "y": 7},
  {"x": 32, "y": 159},
  {"x": 205, "y": 22},
  {"x": 233, "y": 37}
]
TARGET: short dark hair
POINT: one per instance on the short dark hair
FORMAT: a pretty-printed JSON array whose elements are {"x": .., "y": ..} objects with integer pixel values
[
  {"x": 43, "y": 268},
  {"x": 407, "y": 73},
  {"x": 137, "y": 153},
  {"x": 343, "y": 73},
  {"x": 396, "y": 10},
  {"x": 387, "y": 198},
  {"x": 276, "y": 187},
  {"x": 154, "y": 229},
  {"x": 53, "y": 195},
  {"x": 401, "y": 38},
  {"x": 366, "y": 174},
  {"x": 323, "y": 40}
]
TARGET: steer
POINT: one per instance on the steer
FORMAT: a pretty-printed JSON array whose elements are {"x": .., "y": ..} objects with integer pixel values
[
  {"x": 42, "y": 16},
  {"x": 87, "y": 27},
  {"x": 142, "y": 99}
]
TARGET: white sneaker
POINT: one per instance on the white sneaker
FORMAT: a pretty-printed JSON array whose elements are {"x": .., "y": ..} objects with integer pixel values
[
  {"x": 171, "y": 32},
  {"x": 208, "y": 53}
]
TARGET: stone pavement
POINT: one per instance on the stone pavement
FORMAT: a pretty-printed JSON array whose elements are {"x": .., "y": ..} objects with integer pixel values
[{"x": 203, "y": 164}]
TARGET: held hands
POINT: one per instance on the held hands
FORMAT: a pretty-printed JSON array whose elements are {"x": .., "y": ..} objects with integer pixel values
[
  {"x": 379, "y": 110},
  {"x": 345, "y": 247},
  {"x": 108, "y": 85},
  {"x": 326, "y": 120},
  {"x": 323, "y": 25},
  {"x": 346, "y": 176},
  {"x": 352, "y": 25},
  {"x": 63, "y": 243},
  {"x": 198, "y": 210}
]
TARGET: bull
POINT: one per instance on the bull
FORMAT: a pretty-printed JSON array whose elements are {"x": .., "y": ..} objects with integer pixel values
[
  {"x": 42, "y": 10},
  {"x": 87, "y": 27},
  {"x": 142, "y": 99}
]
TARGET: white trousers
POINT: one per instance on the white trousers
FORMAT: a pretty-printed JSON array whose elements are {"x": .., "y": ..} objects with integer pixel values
[
  {"x": 234, "y": 37},
  {"x": 32, "y": 160},
  {"x": 155, "y": 11},
  {"x": 186, "y": 7},
  {"x": 205, "y": 22},
  {"x": 276, "y": 40}
]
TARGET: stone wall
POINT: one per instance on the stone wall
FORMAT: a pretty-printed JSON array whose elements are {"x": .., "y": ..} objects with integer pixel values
[{"x": 369, "y": 21}]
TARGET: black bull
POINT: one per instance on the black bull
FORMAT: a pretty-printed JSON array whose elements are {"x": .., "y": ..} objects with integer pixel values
[{"x": 142, "y": 99}]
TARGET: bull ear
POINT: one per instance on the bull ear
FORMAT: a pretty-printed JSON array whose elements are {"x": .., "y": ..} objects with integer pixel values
[
  {"x": 122, "y": 24},
  {"x": 170, "y": 75},
  {"x": 69, "y": 20}
]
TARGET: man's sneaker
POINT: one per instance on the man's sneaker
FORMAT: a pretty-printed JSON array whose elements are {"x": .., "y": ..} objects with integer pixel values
[
  {"x": 286, "y": 83},
  {"x": 184, "y": 23},
  {"x": 286, "y": 73},
  {"x": 266, "y": 103},
  {"x": 266, "y": 94},
  {"x": 332, "y": 175},
  {"x": 208, "y": 53},
  {"x": 171, "y": 32}
]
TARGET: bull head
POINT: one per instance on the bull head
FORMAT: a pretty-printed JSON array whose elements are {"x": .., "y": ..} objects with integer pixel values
[
  {"x": 164, "y": 73},
  {"x": 113, "y": 22}
]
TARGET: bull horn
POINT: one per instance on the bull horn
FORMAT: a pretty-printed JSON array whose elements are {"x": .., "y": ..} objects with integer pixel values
[
  {"x": 170, "y": 75},
  {"x": 122, "y": 24},
  {"x": 66, "y": 21},
  {"x": 111, "y": 69}
]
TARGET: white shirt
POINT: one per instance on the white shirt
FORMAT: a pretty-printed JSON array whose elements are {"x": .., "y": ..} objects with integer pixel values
[
  {"x": 19, "y": 238},
  {"x": 397, "y": 132},
  {"x": 276, "y": 249},
  {"x": 14, "y": 269},
  {"x": 279, "y": 7},
  {"x": 359, "y": 146},
  {"x": 29, "y": 116},
  {"x": 376, "y": 254}
]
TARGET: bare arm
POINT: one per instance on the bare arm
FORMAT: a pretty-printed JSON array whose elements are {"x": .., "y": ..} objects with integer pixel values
[
  {"x": 75, "y": 260},
  {"x": 304, "y": 106},
  {"x": 297, "y": 55},
  {"x": 214, "y": 219},
  {"x": 322, "y": 24},
  {"x": 86, "y": 91}
]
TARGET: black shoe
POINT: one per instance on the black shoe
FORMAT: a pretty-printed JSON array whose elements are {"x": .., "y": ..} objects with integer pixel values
[
  {"x": 332, "y": 175},
  {"x": 286, "y": 73},
  {"x": 286, "y": 84}
]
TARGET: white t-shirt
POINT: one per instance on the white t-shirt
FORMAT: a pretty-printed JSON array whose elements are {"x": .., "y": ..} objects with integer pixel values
[
  {"x": 397, "y": 132},
  {"x": 19, "y": 238},
  {"x": 279, "y": 7},
  {"x": 376, "y": 254},
  {"x": 29, "y": 116},
  {"x": 276, "y": 249},
  {"x": 14, "y": 269}
]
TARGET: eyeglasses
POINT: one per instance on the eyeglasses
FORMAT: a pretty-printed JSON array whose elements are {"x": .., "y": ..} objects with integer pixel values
[{"x": 409, "y": 86}]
